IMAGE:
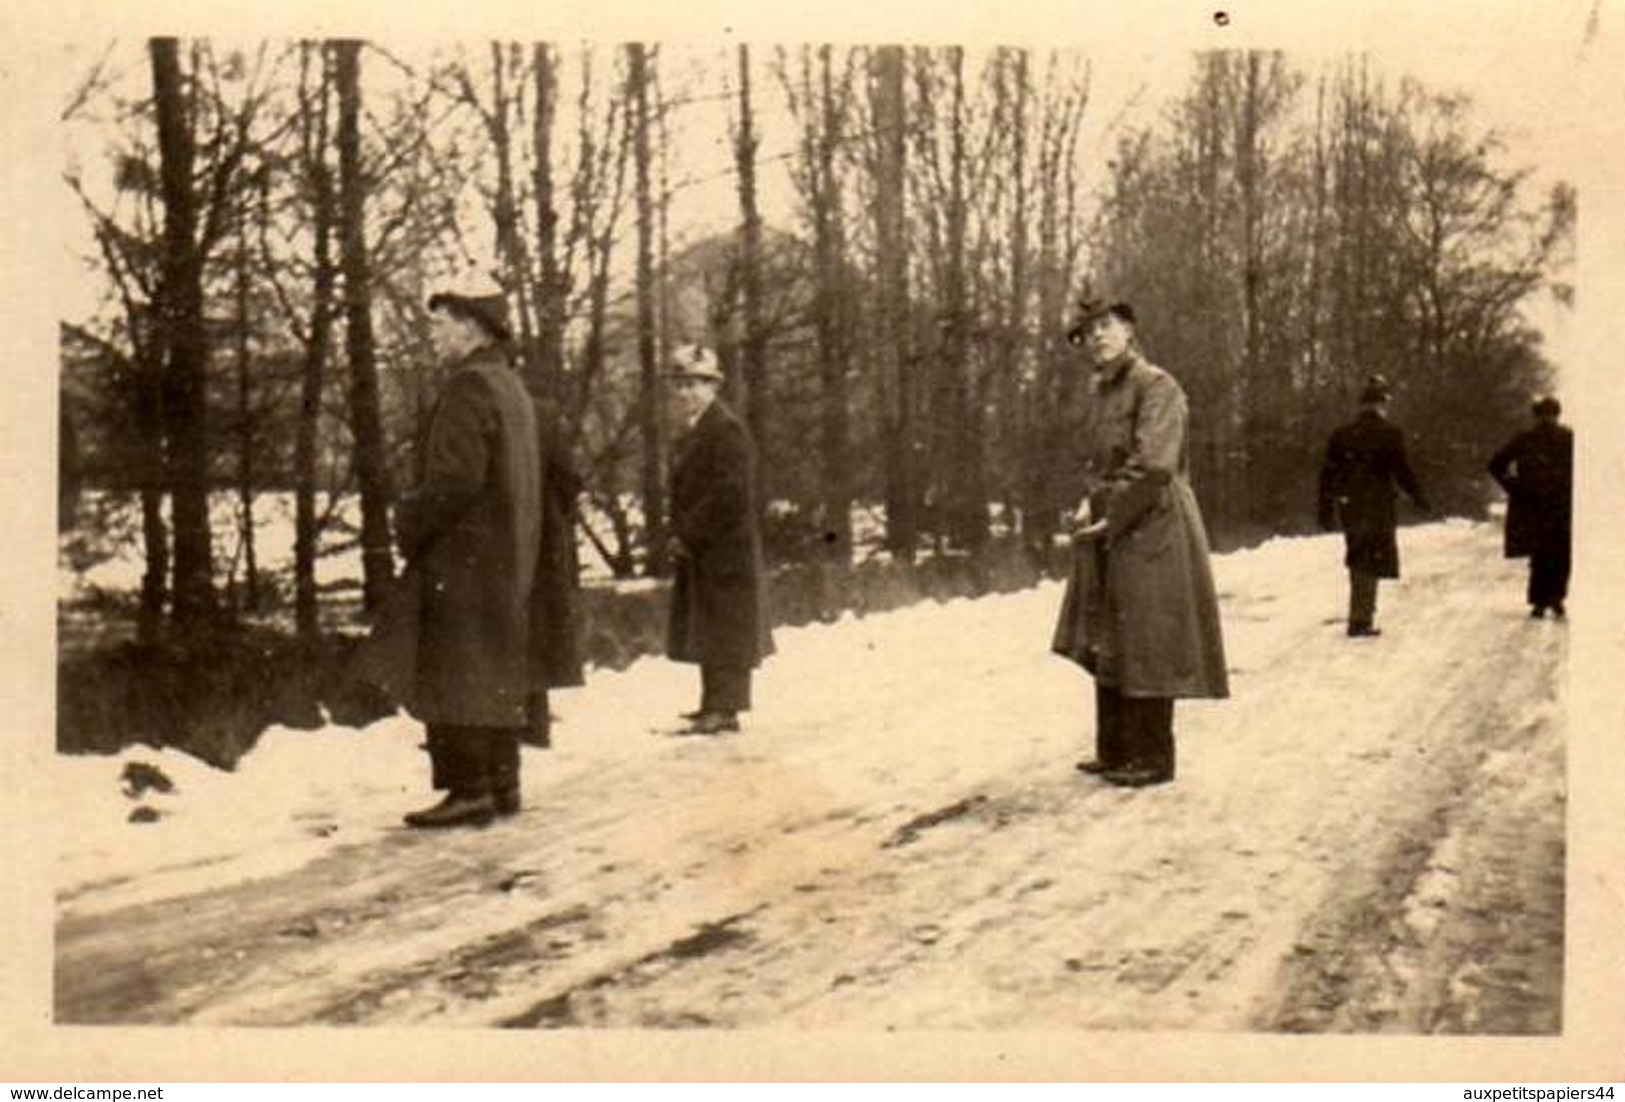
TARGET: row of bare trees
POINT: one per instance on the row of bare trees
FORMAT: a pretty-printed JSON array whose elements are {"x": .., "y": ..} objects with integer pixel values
[{"x": 887, "y": 287}]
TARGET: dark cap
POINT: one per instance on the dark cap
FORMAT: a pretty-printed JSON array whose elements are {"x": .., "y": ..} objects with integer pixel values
[
  {"x": 1547, "y": 407},
  {"x": 1092, "y": 308},
  {"x": 489, "y": 312},
  {"x": 1375, "y": 390}
]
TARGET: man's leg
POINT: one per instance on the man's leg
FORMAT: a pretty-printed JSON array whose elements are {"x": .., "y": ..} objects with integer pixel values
[
  {"x": 1148, "y": 727},
  {"x": 502, "y": 760},
  {"x": 1109, "y": 750},
  {"x": 460, "y": 763},
  {"x": 724, "y": 693},
  {"x": 1362, "y": 603}
]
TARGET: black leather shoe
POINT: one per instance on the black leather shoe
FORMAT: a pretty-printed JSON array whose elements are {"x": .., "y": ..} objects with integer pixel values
[
  {"x": 454, "y": 810},
  {"x": 1559, "y": 611},
  {"x": 505, "y": 801},
  {"x": 1537, "y": 612},
  {"x": 1092, "y": 766},
  {"x": 711, "y": 723},
  {"x": 1137, "y": 776},
  {"x": 1363, "y": 631}
]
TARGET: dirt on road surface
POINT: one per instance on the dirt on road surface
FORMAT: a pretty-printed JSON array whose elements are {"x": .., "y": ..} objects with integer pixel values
[{"x": 1369, "y": 836}]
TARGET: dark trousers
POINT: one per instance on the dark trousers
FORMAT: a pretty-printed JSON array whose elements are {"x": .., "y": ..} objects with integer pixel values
[
  {"x": 473, "y": 761},
  {"x": 1362, "y": 598},
  {"x": 724, "y": 689},
  {"x": 1133, "y": 730},
  {"x": 538, "y": 729},
  {"x": 1549, "y": 578}
]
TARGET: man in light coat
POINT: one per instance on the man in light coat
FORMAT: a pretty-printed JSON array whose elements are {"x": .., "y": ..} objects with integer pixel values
[
  {"x": 1140, "y": 613},
  {"x": 718, "y": 606},
  {"x": 454, "y": 642}
]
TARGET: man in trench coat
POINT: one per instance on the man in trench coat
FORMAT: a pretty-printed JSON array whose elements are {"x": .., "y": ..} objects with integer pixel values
[
  {"x": 454, "y": 642},
  {"x": 1536, "y": 469},
  {"x": 1365, "y": 460},
  {"x": 718, "y": 606},
  {"x": 1140, "y": 612}
]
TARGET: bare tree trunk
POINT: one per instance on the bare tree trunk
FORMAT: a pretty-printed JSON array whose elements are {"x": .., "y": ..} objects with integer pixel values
[
  {"x": 754, "y": 349},
  {"x": 313, "y": 122},
  {"x": 649, "y": 390},
  {"x": 834, "y": 323},
  {"x": 180, "y": 313},
  {"x": 510, "y": 244},
  {"x": 247, "y": 436},
  {"x": 891, "y": 260},
  {"x": 550, "y": 310},
  {"x": 1018, "y": 426},
  {"x": 366, "y": 419},
  {"x": 960, "y": 440}
]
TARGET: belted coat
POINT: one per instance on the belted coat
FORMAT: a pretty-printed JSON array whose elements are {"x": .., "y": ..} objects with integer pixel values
[{"x": 1140, "y": 611}]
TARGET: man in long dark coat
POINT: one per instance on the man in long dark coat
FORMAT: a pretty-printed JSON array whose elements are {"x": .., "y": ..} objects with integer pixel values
[
  {"x": 555, "y": 648},
  {"x": 1536, "y": 469},
  {"x": 1140, "y": 612},
  {"x": 454, "y": 642},
  {"x": 718, "y": 613},
  {"x": 1365, "y": 460}
]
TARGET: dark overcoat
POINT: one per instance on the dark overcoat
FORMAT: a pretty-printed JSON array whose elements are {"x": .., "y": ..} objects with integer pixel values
[
  {"x": 1536, "y": 469},
  {"x": 1140, "y": 611},
  {"x": 452, "y": 643},
  {"x": 1365, "y": 460},
  {"x": 718, "y": 604},
  {"x": 555, "y": 648}
]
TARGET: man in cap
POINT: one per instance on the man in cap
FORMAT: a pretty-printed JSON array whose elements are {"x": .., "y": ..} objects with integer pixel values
[
  {"x": 718, "y": 608},
  {"x": 1365, "y": 459},
  {"x": 453, "y": 644},
  {"x": 1536, "y": 469},
  {"x": 1140, "y": 612}
]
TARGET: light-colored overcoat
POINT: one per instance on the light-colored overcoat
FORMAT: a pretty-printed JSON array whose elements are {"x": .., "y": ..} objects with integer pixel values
[{"x": 1140, "y": 611}]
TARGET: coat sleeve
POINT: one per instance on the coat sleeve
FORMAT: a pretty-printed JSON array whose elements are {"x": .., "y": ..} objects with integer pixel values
[
  {"x": 456, "y": 457},
  {"x": 1331, "y": 483},
  {"x": 1159, "y": 442},
  {"x": 723, "y": 501},
  {"x": 1500, "y": 464},
  {"x": 1407, "y": 477}
]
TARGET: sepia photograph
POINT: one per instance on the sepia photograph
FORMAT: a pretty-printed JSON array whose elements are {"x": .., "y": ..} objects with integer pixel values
[{"x": 1048, "y": 544}]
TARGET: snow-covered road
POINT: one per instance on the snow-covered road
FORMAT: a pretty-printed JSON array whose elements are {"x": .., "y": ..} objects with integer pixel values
[{"x": 1367, "y": 836}]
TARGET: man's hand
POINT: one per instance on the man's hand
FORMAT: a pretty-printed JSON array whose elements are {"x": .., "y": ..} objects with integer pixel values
[{"x": 1093, "y": 531}]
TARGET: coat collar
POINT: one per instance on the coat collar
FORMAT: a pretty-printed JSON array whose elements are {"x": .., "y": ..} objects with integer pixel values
[{"x": 1109, "y": 375}]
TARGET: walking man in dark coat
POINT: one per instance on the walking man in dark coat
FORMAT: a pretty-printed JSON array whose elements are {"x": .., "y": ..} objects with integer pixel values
[
  {"x": 454, "y": 643},
  {"x": 718, "y": 613},
  {"x": 1140, "y": 611},
  {"x": 1365, "y": 460},
  {"x": 1536, "y": 469}
]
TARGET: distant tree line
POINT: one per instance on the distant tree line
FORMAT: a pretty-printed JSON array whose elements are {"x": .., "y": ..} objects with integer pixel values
[{"x": 267, "y": 223}]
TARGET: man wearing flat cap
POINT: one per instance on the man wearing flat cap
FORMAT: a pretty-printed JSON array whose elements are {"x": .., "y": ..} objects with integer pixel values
[
  {"x": 1536, "y": 469},
  {"x": 1365, "y": 460},
  {"x": 1140, "y": 612},
  {"x": 454, "y": 643},
  {"x": 718, "y": 607}
]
